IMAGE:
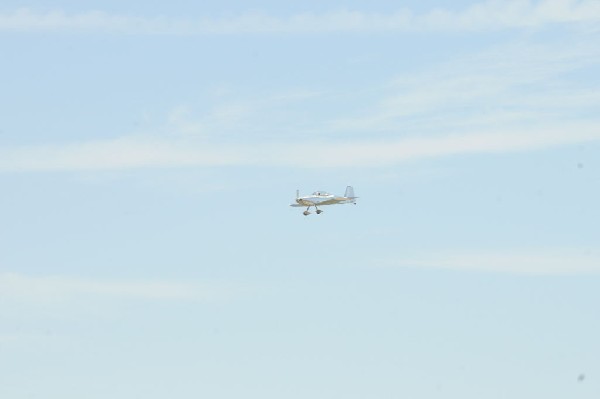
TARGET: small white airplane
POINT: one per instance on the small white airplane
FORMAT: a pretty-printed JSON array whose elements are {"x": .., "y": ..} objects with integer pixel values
[{"x": 319, "y": 198}]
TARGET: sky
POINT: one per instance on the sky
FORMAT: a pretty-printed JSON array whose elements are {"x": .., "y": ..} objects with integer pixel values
[{"x": 149, "y": 152}]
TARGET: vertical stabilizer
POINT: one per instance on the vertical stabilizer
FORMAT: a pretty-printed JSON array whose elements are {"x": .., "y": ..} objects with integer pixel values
[{"x": 349, "y": 192}]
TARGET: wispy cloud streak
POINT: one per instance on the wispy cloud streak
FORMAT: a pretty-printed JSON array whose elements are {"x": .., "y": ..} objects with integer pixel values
[
  {"x": 139, "y": 152},
  {"x": 484, "y": 16},
  {"x": 550, "y": 262},
  {"x": 525, "y": 81},
  {"x": 14, "y": 286}
]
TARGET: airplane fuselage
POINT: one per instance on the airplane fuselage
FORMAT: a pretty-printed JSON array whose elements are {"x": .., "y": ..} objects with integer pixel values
[{"x": 321, "y": 198}]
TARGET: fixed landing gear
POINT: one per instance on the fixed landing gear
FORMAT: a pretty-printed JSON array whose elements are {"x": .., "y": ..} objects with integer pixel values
[{"x": 307, "y": 211}]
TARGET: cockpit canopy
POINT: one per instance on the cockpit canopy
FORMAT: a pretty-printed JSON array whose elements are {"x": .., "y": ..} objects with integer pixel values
[{"x": 321, "y": 193}]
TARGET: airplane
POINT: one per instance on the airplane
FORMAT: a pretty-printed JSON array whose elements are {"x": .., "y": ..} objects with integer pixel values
[{"x": 319, "y": 198}]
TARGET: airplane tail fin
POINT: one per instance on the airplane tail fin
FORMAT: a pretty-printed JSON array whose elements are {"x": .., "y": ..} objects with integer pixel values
[{"x": 349, "y": 192}]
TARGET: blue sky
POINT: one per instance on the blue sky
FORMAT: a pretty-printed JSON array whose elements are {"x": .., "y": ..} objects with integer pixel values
[{"x": 149, "y": 152}]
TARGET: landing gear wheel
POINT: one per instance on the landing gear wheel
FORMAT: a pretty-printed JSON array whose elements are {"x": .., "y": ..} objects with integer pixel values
[
  {"x": 306, "y": 213},
  {"x": 319, "y": 211}
]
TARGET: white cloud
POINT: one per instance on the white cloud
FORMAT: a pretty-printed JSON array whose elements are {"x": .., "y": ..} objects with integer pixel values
[
  {"x": 43, "y": 289},
  {"x": 5, "y": 338},
  {"x": 139, "y": 152},
  {"x": 122, "y": 153},
  {"x": 520, "y": 82},
  {"x": 550, "y": 262},
  {"x": 229, "y": 115},
  {"x": 483, "y": 16},
  {"x": 520, "y": 97},
  {"x": 180, "y": 119}
]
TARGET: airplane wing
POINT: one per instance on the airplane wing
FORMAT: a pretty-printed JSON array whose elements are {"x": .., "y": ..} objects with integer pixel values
[
  {"x": 332, "y": 201},
  {"x": 305, "y": 202}
]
